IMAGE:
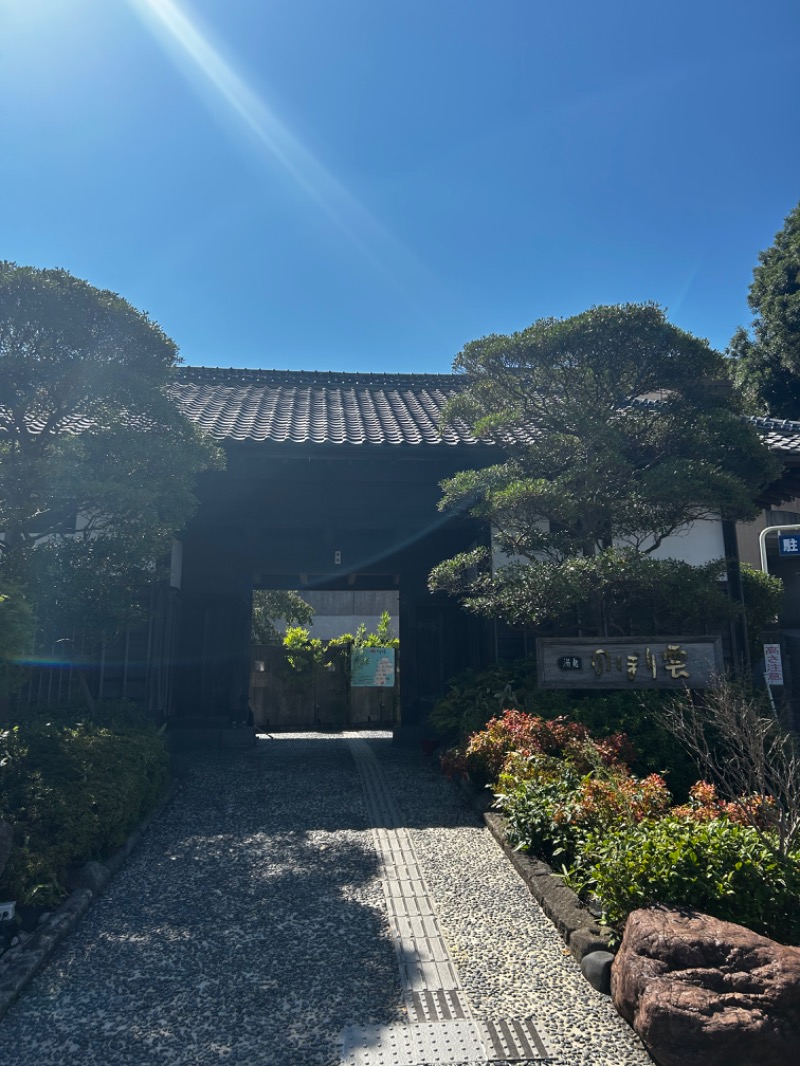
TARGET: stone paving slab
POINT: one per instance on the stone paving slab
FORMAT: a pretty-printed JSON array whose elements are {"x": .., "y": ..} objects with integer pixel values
[{"x": 251, "y": 926}]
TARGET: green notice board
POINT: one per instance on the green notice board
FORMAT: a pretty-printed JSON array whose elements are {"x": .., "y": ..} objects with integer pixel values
[{"x": 372, "y": 668}]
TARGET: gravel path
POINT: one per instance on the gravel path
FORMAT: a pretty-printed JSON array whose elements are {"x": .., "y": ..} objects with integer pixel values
[{"x": 250, "y": 927}]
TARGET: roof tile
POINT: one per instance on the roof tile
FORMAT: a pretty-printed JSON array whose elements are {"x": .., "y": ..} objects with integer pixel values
[
  {"x": 780, "y": 434},
  {"x": 349, "y": 408},
  {"x": 319, "y": 408}
]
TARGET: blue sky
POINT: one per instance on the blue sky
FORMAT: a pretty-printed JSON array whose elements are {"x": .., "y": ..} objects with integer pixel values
[{"x": 369, "y": 184}]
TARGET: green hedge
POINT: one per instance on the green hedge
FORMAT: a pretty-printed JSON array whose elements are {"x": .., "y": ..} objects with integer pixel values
[
  {"x": 716, "y": 866},
  {"x": 73, "y": 791}
]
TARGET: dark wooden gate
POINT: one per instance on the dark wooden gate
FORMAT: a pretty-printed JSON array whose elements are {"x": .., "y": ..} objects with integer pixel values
[{"x": 315, "y": 695}]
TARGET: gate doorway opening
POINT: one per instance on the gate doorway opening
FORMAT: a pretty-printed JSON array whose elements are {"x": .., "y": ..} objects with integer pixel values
[
  {"x": 311, "y": 659},
  {"x": 331, "y": 484}
]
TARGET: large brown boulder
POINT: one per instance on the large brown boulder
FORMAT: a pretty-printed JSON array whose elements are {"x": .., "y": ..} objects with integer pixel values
[{"x": 701, "y": 992}]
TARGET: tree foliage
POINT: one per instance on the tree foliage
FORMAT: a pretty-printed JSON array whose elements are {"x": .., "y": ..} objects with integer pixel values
[
  {"x": 763, "y": 597},
  {"x": 272, "y": 606},
  {"x": 619, "y": 430},
  {"x": 96, "y": 463},
  {"x": 767, "y": 359}
]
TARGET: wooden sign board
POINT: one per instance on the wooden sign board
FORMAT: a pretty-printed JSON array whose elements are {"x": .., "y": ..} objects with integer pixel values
[{"x": 629, "y": 662}]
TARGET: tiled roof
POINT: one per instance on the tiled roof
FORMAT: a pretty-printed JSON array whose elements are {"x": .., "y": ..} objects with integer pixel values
[
  {"x": 300, "y": 407},
  {"x": 781, "y": 435}
]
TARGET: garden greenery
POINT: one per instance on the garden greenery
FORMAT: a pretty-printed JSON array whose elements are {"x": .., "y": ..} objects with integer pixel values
[
  {"x": 303, "y": 651},
  {"x": 73, "y": 788},
  {"x": 716, "y": 866},
  {"x": 572, "y": 798},
  {"x": 762, "y": 595},
  {"x": 473, "y": 698}
]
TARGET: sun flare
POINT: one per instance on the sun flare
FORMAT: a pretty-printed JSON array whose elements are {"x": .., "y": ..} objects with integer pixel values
[{"x": 192, "y": 49}]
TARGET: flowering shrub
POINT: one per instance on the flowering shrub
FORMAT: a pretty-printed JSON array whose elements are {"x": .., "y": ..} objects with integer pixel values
[
  {"x": 614, "y": 749},
  {"x": 704, "y": 804},
  {"x": 572, "y": 799},
  {"x": 454, "y": 762},
  {"x": 515, "y": 732},
  {"x": 617, "y": 797},
  {"x": 554, "y": 806},
  {"x": 487, "y": 750}
]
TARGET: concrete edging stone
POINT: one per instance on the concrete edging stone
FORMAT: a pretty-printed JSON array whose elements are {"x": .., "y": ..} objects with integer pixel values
[
  {"x": 580, "y": 931},
  {"x": 19, "y": 964}
]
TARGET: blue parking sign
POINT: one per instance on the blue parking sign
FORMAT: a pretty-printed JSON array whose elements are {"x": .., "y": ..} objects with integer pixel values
[{"x": 789, "y": 543}]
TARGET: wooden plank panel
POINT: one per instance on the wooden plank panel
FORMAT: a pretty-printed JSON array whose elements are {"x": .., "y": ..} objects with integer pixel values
[{"x": 632, "y": 662}]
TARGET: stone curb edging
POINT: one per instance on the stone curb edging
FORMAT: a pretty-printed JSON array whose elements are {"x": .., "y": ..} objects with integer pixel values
[
  {"x": 581, "y": 933},
  {"x": 579, "y": 930},
  {"x": 18, "y": 965}
]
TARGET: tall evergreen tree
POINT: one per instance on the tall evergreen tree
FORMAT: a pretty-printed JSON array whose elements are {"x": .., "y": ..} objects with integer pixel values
[
  {"x": 767, "y": 362},
  {"x": 97, "y": 465}
]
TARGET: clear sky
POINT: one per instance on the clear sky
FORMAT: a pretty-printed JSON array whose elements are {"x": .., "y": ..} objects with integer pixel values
[{"x": 369, "y": 184}]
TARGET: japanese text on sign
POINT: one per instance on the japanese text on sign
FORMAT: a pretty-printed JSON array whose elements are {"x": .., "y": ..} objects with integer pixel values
[
  {"x": 372, "y": 668},
  {"x": 622, "y": 662},
  {"x": 570, "y": 662},
  {"x": 673, "y": 656},
  {"x": 788, "y": 544},
  {"x": 773, "y": 664}
]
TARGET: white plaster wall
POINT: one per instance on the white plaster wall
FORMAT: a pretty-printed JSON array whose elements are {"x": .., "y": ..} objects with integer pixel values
[{"x": 701, "y": 542}]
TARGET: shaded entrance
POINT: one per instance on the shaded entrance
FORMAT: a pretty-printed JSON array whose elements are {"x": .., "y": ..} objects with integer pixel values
[
  {"x": 354, "y": 513},
  {"x": 302, "y": 657}
]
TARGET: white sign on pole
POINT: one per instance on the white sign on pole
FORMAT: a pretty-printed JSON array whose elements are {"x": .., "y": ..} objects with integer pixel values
[{"x": 773, "y": 666}]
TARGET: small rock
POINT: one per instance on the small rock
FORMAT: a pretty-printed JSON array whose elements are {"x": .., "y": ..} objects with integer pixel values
[
  {"x": 94, "y": 876},
  {"x": 588, "y": 940},
  {"x": 596, "y": 968}
]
